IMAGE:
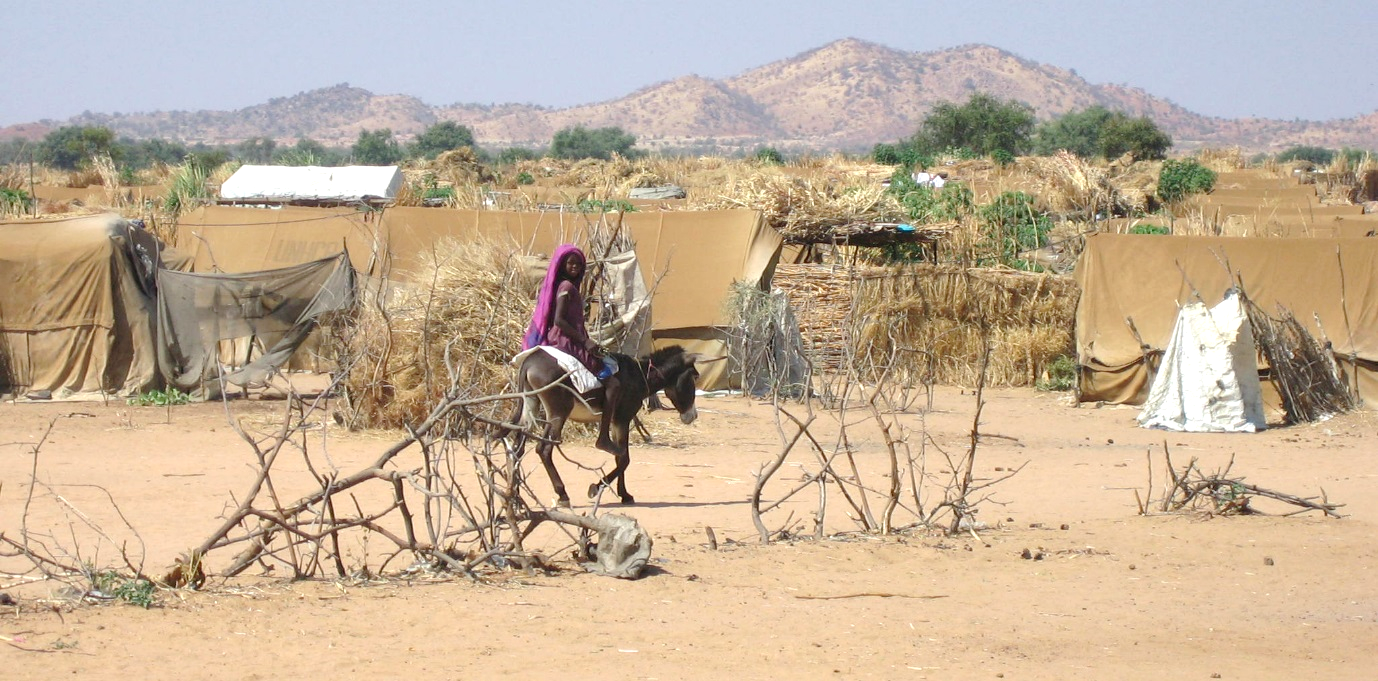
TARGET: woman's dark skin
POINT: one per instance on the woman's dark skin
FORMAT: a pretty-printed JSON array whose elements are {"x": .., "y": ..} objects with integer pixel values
[{"x": 574, "y": 270}]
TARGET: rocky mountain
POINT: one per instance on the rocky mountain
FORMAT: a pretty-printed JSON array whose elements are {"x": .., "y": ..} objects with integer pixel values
[{"x": 849, "y": 94}]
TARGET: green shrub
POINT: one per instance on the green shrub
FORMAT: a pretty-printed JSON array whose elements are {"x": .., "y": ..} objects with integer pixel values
[
  {"x": 524, "y": 178},
  {"x": 14, "y": 201},
  {"x": 605, "y": 206},
  {"x": 1061, "y": 374},
  {"x": 136, "y": 591},
  {"x": 769, "y": 156},
  {"x": 1149, "y": 229},
  {"x": 887, "y": 154},
  {"x": 1002, "y": 157},
  {"x": 160, "y": 398},
  {"x": 1014, "y": 226},
  {"x": 1181, "y": 178}
]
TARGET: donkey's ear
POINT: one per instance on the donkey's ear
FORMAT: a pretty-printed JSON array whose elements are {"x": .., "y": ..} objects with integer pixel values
[{"x": 700, "y": 358}]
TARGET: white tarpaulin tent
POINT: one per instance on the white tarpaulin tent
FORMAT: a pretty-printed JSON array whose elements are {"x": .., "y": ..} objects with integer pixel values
[
  {"x": 1208, "y": 381},
  {"x": 312, "y": 183}
]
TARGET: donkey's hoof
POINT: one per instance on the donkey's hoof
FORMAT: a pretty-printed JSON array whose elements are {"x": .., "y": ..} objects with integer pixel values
[
  {"x": 594, "y": 489},
  {"x": 628, "y": 500},
  {"x": 561, "y": 503}
]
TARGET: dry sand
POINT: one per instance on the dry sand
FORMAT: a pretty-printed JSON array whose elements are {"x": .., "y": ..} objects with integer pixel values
[{"x": 1115, "y": 596}]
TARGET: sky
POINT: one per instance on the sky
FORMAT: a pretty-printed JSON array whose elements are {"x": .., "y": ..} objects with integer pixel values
[{"x": 1313, "y": 60}]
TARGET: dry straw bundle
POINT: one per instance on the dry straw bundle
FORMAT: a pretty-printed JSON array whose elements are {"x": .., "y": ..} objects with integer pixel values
[
  {"x": 1067, "y": 183},
  {"x": 458, "y": 326},
  {"x": 929, "y": 319},
  {"x": 804, "y": 210}
]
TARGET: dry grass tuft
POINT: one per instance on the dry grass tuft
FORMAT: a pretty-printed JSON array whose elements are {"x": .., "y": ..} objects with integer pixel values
[{"x": 1223, "y": 160}]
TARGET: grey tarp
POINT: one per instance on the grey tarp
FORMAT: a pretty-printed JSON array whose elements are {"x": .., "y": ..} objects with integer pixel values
[{"x": 276, "y": 308}]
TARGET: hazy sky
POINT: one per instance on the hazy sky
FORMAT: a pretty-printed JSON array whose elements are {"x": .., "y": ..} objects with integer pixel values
[{"x": 1310, "y": 60}]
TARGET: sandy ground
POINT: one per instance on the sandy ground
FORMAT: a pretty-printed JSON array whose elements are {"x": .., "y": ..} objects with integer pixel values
[{"x": 1115, "y": 595}]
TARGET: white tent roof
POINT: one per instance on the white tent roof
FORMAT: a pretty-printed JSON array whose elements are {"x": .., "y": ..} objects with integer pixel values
[{"x": 287, "y": 183}]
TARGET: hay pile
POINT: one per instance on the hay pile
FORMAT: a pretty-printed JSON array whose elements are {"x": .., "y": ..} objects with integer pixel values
[
  {"x": 930, "y": 318},
  {"x": 458, "y": 326},
  {"x": 805, "y": 210}
]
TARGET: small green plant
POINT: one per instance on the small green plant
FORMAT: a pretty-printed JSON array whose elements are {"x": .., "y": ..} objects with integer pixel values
[
  {"x": 14, "y": 201},
  {"x": 160, "y": 398},
  {"x": 1149, "y": 229},
  {"x": 1061, "y": 375},
  {"x": 1002, "y": 157},
  {"x": 431, "y": 193},
  {"x": 188, "y": 186},
  {"x": 525, "y": 178},
  {"x": 63, "y": 644},
  {"x": 136, "y": 591},
  {"x": 1181, "y": 178},
  {"x": 605, "y": 206}
]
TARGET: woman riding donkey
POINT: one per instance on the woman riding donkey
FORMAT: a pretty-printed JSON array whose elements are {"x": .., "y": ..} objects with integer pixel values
[{"x": 558, "y": 322}]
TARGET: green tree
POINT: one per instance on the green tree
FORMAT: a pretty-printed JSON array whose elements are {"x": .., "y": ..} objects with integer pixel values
[
  {"x": 308, "y": 152},
  {"x": 376, "y": 148},
  {"x": 983, "y": 124},
  {"x": 1140, "y": 137},
  {"x": 769, "y": 156},
  {"x": 207, "y": 157},
  {"x": 1075, "y": 131},
  {"x": 146, "y": 153},
  {"x": 601, "y": 143},
  {"x": 511, "y": 155},
  {"x": 71, "y": 147},
  {"x": 440, "y": 138},
  {"x": 1317, "y": 155},
  {"x": 256, "y": 150}
]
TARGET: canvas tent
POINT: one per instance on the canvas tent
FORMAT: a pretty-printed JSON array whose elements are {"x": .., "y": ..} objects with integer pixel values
[
  {"x": 1208, "y": 379},
  {"x": 76, "y": 301},
  {"x": 287, "y": 184},
  {"x": 242, "y": 239},
  {"x": 1146, "y": 279}
]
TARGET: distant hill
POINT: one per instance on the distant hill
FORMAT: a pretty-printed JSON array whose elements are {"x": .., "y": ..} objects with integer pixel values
[{"x": 849, "y": 94}]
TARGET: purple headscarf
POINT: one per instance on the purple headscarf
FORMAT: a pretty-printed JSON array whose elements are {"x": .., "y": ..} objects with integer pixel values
[{"x": 542, "y": 318}]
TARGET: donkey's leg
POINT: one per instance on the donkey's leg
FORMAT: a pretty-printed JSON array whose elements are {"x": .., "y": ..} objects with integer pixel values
[
  {"x": 546, "y": 450},
  {"x": 621, "y": 459}
]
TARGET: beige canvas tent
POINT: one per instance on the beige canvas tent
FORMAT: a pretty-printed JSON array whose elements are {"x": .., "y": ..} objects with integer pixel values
[
  {"x": 242, "y": 239},
  {"x": 1145, "y": 279},
  {"x": 76, "y": 306}
]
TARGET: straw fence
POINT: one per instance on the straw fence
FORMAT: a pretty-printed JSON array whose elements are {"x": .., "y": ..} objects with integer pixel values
[{"x": 925, "y": 323}]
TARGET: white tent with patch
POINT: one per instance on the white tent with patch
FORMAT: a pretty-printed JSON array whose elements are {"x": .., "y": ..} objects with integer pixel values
[{"x": 1208, "y": 381}]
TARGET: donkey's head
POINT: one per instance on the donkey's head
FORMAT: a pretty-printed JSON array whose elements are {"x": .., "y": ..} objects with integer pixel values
[{"x": 676, "y": 372}]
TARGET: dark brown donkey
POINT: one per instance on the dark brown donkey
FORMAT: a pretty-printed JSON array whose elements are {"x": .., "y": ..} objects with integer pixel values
[{"x": 670, "y": 369}]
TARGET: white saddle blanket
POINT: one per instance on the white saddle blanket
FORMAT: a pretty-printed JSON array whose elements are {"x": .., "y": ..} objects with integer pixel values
[{"x": 579, "y": 375}]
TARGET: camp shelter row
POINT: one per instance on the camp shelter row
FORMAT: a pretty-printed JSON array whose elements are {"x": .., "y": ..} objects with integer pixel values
[
  {"x": 690, "y": 258},
  {"x": 96, "y": 304},
  {"x": 1132, "y": 287}
]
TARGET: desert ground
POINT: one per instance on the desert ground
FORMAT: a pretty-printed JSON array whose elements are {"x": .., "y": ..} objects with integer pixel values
[{"x": 1104, "y": 592}]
